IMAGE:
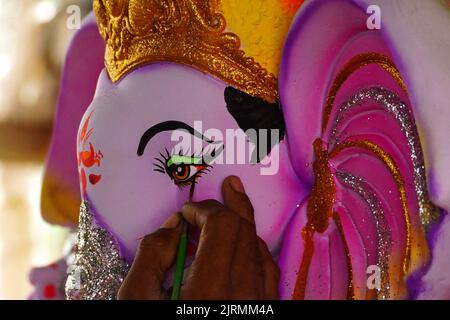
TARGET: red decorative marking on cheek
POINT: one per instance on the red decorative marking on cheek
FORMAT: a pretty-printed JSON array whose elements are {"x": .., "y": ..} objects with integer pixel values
[
  {"x": 87, "y": 158},
  {"x": 84, "y": 129},
  {"x": 93, "y": 178},
  {"x": 49, "y": 291}
]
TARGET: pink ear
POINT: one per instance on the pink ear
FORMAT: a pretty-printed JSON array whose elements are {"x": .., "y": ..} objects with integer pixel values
[
  {"x": 84, "y": 61},
  {"x": 418, "y": 47},
  {"x": 311, "y": 49},
  {"x": 341, "y": 84}
]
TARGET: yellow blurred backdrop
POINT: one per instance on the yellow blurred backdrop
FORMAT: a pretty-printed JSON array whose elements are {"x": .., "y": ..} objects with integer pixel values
[{"x": 33, "y": 39}]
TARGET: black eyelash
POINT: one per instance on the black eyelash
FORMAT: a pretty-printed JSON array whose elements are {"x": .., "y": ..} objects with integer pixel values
[
  {"x": 159, "y": 166},
  {"x": 163, "y": 163},
  {"x": 207, "y": 169}
]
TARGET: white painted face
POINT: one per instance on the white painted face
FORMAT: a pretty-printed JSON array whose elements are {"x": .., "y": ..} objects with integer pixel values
[{"x": 132, "y": 194}]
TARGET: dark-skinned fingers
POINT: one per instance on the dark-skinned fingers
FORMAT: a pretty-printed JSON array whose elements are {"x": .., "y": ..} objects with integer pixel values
[
  {"x": 216, "y": 248},
  {"x": 197, "y": 213},
  {"x": 215, "y": 253},
  {"x": 271, "y": 271},
  {"x": 247, "y": 276},
  {"x": 198, "y": 286},
  {"x": 236, "y": 199},
  {"x": 155, "y": 255},
  {"x": 219, "y": 228}
]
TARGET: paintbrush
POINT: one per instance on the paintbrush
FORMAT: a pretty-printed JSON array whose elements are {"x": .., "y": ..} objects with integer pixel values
[{"x": 181, "y": 254}]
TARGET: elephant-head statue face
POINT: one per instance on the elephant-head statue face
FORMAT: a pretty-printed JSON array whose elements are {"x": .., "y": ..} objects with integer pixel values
[
  {"x": 167, "y": 130},
  {"x": 334, "y": 165}
]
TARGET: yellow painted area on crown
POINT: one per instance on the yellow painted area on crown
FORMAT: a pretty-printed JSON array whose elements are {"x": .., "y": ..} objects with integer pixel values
[{"x": 262, "y": 27}]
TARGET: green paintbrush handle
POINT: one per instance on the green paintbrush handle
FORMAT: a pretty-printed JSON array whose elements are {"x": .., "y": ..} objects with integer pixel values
[{"x": 179, "y": 267}]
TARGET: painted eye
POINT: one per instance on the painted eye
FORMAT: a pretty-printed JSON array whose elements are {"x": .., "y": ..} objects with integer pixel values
[
  {"x": 183, "y": 170},
  {"x": 184, "y": 173}
]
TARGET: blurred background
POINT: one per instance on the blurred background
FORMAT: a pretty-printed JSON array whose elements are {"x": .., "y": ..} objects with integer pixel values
[{"x": 34, "y": 35}]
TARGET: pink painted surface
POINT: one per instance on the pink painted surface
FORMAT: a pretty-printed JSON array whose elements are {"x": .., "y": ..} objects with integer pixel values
[{"x": 324, "y": 36}]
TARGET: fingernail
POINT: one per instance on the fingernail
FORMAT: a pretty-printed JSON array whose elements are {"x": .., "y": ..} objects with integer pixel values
[
  {"x": 236, "y": 184},
  {"x": 172, "y": 222}
]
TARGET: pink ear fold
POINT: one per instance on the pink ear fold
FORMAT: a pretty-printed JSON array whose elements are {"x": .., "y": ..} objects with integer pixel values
[
  {"x": 60, "y": 198},
  {"x": 311, "y": 49},
  {"x": 418, "y": 34},
  {"x": 347, "y": 89},
  {"x": 419, "y": 49}
]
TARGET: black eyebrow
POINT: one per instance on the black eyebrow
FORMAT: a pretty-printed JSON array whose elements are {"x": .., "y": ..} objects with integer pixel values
[{"x": 166, "y": 126}]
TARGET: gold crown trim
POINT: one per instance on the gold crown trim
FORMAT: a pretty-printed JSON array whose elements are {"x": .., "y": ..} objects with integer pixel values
[{"x": 190, "y": 32}]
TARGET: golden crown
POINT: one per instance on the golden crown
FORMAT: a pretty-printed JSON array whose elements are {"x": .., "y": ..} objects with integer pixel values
[{"x": 190, "y": 32}]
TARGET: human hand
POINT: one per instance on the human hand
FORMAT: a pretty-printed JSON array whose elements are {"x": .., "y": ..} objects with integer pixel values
[{"x": 231, "y": 262}]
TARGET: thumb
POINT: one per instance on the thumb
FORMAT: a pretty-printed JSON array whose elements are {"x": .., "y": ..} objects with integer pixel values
[
  {"x": 155, "y": 255},
  {"x": 235, "y": 198}
]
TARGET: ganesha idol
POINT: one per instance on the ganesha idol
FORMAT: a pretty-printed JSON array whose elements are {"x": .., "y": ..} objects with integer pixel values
[{"x": 353, "y": 187}]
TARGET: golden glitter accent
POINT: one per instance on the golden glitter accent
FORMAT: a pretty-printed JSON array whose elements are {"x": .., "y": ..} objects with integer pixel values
[
  {"x": 395, "y": 172},
  {"x": 319, "y": 211},
  {"x": 351, "y": 289},
  {"x": 320, "y": 204},
  {"x": 353, "y": 65},
  {"x": 302, "y": 276},
  {"x": 190, "y": 32}
]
